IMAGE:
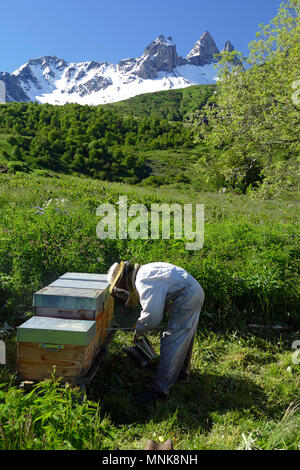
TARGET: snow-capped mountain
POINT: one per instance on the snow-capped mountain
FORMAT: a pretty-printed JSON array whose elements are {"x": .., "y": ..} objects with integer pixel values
[{"x": 52, "y": 80}]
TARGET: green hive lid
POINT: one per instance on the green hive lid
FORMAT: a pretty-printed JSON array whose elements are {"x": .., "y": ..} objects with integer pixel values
[
  {"x": 81, "y": 291},
  {"x": 57, "y": 331}
]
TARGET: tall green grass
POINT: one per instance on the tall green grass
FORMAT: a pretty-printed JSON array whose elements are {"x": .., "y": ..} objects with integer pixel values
[
  {"x": 243, "y": 394},
  {"x": 248, "y": 265}
]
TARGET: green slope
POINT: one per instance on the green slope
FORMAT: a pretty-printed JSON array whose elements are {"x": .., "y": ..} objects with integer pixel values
[{"x": 173, "y": 105}]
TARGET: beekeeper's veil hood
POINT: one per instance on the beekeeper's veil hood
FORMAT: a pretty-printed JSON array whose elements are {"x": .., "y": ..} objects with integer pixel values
[{"x": 124, "y": 271}]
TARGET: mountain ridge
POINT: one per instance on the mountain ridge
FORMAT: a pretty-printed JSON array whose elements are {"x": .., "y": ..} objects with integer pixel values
[{"x": 49, "y": 79}]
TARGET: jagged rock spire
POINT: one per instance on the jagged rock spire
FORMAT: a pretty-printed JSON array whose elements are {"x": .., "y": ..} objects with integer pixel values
[
  {"x": 203, "y": 51},
  {"x": 228, "y": 47}
]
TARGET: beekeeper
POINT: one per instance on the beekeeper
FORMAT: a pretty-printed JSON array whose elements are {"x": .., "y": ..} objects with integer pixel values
[{"x": 160, "y": 287}]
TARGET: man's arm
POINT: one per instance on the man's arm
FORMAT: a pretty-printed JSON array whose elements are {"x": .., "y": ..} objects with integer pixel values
[{"x": 152, "y": 300}]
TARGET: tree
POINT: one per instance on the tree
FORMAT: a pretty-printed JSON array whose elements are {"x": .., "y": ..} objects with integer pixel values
[{"x": 251, "y": 124}]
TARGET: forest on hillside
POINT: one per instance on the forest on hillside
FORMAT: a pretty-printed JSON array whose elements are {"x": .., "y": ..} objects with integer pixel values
[{"x": 89, "y": 140}]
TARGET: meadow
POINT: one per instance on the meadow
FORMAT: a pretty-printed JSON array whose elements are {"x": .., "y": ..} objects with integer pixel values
[
  {"x": 244, "y": 390},
  {"x": 233, "y": 147}
]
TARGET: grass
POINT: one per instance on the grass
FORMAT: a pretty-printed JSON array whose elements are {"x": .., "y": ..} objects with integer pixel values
[
  {"x": 50, "y": 417},
  {"x": 175, "y": 168},
  {"x": 248, "y": 264},
  {"x": 174, "y": 105},
  {"x": 240, "y": 387},
  {"x": 244, "y": 390},
  {"x": 243, "y": 394}
]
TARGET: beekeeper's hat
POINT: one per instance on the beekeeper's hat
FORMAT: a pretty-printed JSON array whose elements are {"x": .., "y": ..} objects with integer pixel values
[{"x": 115, "y": 274}]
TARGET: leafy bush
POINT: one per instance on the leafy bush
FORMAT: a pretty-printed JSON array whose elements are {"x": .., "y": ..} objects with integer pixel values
[
  {"x": 14, "y": 166},
  {"x": 53, "y": 417}
]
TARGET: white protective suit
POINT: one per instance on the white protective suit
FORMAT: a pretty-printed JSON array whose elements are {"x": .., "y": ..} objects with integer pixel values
[{"x": 160, "y": 285}]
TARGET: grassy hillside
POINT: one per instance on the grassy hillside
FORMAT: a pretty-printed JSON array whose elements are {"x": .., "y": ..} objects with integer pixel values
[
  {"x": 174, "y": 105},
  {"x": 177, "y": 168},
  {"x": 247, "y": 266},
  {"x": 244, "y": 386}
]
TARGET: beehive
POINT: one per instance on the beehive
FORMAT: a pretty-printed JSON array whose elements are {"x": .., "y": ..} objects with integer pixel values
[
  {"x": 78, "y": 296},
  {"x": 45, "y": 342}
]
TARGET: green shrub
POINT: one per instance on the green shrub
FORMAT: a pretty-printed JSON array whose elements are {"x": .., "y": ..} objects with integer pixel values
[
  {"x": 14, "y": 166},
  {"x": 53, "y": 417}
]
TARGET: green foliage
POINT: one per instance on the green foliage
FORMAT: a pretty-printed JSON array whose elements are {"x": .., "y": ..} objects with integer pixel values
[
  {"x": 5, "y": 146},
  {"x": 14, "y": 166},
  {"x": 91, "y": 140},
  {"x": 251, "y": 125},
  {"x": 52, "y": 417},
  {"x": 7, "y": 288}
]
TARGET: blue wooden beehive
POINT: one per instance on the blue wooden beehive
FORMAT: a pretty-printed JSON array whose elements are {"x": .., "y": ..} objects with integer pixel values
[{"x": 75, "y": 292}]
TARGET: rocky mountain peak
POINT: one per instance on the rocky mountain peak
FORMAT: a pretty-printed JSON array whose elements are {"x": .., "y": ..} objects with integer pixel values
[
  {"x": 203, "y": 51},
  {"x": 228, "y": 47},
  {"x": 163, "y": 51},
  {"x": 44, "y": 62},
  {"x": 159, "y": 56},
  {"x": 14, "y": 90},
  {"x": 159, "y": 44}
]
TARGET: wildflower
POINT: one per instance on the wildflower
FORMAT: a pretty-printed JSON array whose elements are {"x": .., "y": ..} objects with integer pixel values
[
  {"x": 47, "y": 203},
  {"x": 39, "y": 211}
]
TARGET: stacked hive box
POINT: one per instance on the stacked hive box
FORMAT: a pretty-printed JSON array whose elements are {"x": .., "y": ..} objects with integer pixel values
[{"x": 70, "y": 325}]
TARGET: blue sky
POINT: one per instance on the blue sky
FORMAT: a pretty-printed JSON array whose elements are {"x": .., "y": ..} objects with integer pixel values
[{"x": 111, "y": 30}]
